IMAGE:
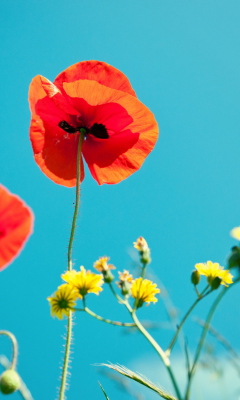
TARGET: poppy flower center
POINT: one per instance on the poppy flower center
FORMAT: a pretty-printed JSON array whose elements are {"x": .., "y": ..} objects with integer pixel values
[{"x": 97, "y": 130}]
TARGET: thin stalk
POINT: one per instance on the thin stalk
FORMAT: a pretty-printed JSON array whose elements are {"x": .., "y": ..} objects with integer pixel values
[
  {"x": 108, "y": 321},
  {"x": 156, "y": 347},
  {"x": 74, "y": 221},
  {"x": 173, "y": 341},
  {"x": 204, "y": 334},
  {"x": 15, "y": 348},
  {"x": 77, "y": 201},
  {"x": 66, "y": 358},
  {"x": 119, "y": 298}
]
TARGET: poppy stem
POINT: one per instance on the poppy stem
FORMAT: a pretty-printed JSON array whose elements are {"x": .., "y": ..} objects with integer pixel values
[
  {"x": 74, "y": 221},
  {"x": 77, "y": 200},
  {"x": 15, "y": 347}
]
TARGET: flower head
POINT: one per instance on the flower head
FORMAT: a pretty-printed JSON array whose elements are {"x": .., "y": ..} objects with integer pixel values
[
  {"x": 141, "y": 244},
  {"x": 62, "y": 301},
  {"x": 235, "y": 233},
  {"x": 16, "y": 224},
  {"x": 97, "y": 100},
  {"x": 125, "y": 282},
  {"x": 84, "y": 281},
  {"x": 214, "y": 270},
  {"x": 125, "y": 276},
  {"x": 102, "y": 265},
  {"x": 144, "y": 291}
]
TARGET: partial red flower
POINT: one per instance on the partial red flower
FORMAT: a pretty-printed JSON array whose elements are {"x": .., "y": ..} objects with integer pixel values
[
  {"x": 95, "y": 97},
  {"x": 16, "y": 223}
]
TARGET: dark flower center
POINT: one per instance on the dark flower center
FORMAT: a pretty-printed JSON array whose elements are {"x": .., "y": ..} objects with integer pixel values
[
  {"x": 63, "y": 303},
  {"x": 97, "y": 130}
]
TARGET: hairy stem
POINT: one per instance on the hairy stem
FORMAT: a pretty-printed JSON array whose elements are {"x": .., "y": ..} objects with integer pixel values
[
  {"x": 77, "y": 201},
  {"x": 74, "y": 221}
]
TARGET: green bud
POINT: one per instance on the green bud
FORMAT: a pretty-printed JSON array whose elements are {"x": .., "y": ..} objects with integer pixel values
[
  {"x": 195, "y": 278},
  {"x": 234, "y": 258},
  {"x": 126, "y": 288},
  {"x": 216, "y": 283},
  {"x": 145, "y": 257},
  {"x": 9, "y": 381},
  {"x": 107, "y": 276}
]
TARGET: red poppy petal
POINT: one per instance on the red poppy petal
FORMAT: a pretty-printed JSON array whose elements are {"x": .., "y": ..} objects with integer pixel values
[
  {"x": 16, "y": 224},
  {"x": 55, "y": 155},
  {"x": 107, "y": 163},
  {"x": 98, "y": 71},
  {"x": 41, "y": 88}
]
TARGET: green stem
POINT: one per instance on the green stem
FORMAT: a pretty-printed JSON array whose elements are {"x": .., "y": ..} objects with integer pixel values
[
  {"x": 144, "y": 270},
  {"x": 156, "y": 346},
  {"x": 74, "y": 221},
  {"x": 15, "y": 348},
  {"x": 204, "y": 334},
  {"x": 173, "y": 341},
  {"x": 108, "y": 321},
  {"x": 119, "y": 298},
  {"x": 66, "y": 358},
  {"x": 77, "y": 201}
]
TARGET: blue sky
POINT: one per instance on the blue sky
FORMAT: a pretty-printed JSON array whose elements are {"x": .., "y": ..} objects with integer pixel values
[{"x": 182, "y": 58}]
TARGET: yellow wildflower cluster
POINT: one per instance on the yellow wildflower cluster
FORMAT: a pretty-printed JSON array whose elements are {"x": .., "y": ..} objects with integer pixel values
[{"x": 79, "y": 284}]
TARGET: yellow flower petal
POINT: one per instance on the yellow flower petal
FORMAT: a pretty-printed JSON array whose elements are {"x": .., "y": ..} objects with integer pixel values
[
  {"x": 84, "y": 281},
  {"x": 144, "y": 290},
  {"x": 62, "y": 301},
  {"x": 212, "y": 270},
  {"x": 235, "y": 233}
]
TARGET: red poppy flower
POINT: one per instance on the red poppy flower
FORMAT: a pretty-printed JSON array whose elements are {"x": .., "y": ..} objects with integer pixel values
[
  {"x": 16, "y": 222},
  {"x": 119, "y": 131}
]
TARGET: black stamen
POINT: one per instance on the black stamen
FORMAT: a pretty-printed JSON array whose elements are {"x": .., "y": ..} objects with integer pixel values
[
  {"x": 99, "y": 131},
  {"x": 66, "y": 127}
]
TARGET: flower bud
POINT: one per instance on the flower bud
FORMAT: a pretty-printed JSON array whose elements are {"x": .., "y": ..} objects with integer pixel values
[
  {"x": 144, "y": 251},
  {"x": 195, "y": 278},
  {"x": 125, "y": 288},
  {"x": 9, "y": 381},
  {"x": 107, "y": 276},
  {"x": 216, "y": 283},
  {"x": 234, "y": 258}
]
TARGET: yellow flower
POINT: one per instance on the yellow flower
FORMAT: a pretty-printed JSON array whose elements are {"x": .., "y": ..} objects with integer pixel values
[
  {"x": 144, "y": 291},
  {"x": 141, "y": 244},
  {"x": 212, "y": 270},
  {"x": 84, "y": 281},
  {"x": 235, "y": 233},
  {"x": 102, "y": 265},
  {"x": 62, "y": 301}
]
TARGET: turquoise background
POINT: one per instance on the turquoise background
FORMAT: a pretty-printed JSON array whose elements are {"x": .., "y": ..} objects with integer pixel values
[{"x": 182, "y": 58}]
